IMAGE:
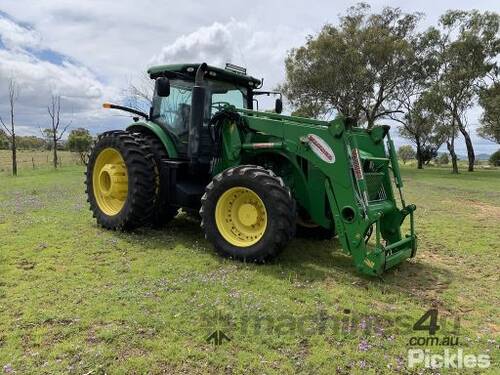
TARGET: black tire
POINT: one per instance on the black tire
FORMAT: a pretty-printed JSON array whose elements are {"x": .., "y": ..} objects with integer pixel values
[
  {"x": 277, "y": 199},
  {"x": 162, "y": 212},
  {"x": 139, "y": 202},
  {"x": 314, "y": 233},
  {"x": 306, "y": 228}
]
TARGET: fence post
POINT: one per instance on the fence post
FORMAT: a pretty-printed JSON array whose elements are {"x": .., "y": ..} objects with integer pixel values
[{"x": 33, "y": 162}]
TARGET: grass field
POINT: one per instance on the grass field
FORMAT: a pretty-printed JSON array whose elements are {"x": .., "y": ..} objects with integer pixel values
[{"x": 76, "y": 298}]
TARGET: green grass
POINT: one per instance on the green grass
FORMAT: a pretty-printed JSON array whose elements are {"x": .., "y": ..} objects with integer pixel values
[{"x": 80, "y": 299}]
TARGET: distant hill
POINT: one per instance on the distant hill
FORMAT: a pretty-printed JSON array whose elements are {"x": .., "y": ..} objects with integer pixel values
[
  {"x": 464, "y": 157},
  {"x": 483, "y": 156}
]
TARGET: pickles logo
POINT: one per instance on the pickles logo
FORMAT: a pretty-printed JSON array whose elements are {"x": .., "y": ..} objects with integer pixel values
[
  {"x": 449, "y": 359},
  {"x": 321, "y": 148}
]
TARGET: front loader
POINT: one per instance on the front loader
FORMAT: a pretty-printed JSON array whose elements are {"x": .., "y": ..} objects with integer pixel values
[{"x": 254, "y": 177}]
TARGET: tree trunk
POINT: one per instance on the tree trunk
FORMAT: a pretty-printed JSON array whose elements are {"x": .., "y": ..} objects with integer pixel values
[
  {"x": 55, "y": 152},
  {"x": 470, "y": 149},
  {"x": 468, "y": 143},
  {"x": 14, "y": 154},
  {"x": 451, "y": 149},
  {"x": 13, "y": 132},
  {"x": 420, "y": 164}
]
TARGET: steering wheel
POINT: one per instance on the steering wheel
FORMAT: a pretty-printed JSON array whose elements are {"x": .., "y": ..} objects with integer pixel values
[{"x": 220, "y": 105}]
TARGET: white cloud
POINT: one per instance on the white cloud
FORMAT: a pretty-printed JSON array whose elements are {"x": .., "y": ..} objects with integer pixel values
[
  {"x": 215, "y": 44},
  {"x": 14, "y": 36},
  {"x": 40, "y": 72},
  {"x": 41, "y": 78},
  {"x": 242, "y": 43}
]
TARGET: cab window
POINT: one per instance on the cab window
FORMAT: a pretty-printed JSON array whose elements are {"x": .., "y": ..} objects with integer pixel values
[
  {"x": 174, "y": 111},
  {"x": 225, "y": 93}
]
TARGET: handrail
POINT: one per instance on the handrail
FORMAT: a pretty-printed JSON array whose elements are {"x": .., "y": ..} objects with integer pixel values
[{"x": 276, "y": 116}]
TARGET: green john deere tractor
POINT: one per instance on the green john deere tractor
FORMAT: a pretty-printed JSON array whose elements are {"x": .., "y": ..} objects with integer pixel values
[{"x": 254, "y": 177}]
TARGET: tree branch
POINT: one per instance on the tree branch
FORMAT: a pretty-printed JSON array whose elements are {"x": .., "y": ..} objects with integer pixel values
[
  {"x": 64, "y": 130},
  {"x": 5, "y": 126}
]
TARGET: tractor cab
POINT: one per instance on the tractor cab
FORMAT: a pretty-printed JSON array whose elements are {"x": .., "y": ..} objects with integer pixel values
[
  {"x": 173, "y": 108},
  {"x": 179, "y": 113}
]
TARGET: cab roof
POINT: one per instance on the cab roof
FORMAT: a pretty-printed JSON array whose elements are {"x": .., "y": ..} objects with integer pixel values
[{"x": 189, "y": 71}]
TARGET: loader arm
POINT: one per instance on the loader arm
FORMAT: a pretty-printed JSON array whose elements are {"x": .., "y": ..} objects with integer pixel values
[{"x": 358, "y": 173}]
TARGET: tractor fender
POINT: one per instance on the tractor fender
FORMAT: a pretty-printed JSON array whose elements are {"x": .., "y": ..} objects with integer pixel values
[
  {"x": 159, "y": 132},
  {"x": 300, "y": 182}
]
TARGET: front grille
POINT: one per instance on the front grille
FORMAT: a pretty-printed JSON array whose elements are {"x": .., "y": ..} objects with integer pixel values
[
  {"x": 375, "y": 187},
  {"x": 374, "y": 177}
]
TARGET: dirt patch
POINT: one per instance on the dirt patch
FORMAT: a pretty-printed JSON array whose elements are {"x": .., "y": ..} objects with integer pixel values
[
  {"x": 485, "y": 211},
  {"x": 26, "y": 265},
  {"x": 477, "y": 209}
]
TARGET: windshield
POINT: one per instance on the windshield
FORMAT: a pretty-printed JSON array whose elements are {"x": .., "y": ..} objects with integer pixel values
[
  {"x": 173, "y": 112},
  {"x": 222, "y": 93}
]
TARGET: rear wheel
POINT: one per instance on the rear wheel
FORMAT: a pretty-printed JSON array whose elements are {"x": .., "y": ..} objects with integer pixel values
[
  {"x": 162, "y": 211},
  {"x": 248, "y": 213},
  {"x": 120, "y": 180}
]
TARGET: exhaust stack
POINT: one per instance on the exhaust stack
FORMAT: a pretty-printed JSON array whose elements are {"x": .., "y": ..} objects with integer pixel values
[{"x": 197, "y": 113}]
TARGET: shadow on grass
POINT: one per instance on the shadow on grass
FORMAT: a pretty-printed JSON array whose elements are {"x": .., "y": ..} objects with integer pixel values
[
  {"x": 318, "y": 260},
  {"x": 181, "y": 230},
  {"x": 304, "y": 260}
]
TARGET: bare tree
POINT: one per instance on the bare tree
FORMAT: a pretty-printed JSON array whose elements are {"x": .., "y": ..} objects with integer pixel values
[
  {"x": 54, "y": 109},
  {"x": 139, "y": 94},
  {"x": 11, "y": 132}
]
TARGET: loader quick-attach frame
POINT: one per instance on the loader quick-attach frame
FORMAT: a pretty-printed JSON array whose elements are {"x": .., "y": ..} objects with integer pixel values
[{"x": 340, "y": 174}]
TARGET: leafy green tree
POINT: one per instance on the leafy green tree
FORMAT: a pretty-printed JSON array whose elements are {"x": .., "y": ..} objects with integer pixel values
[
  {"x": 495, "y": 159},
  {"x": 423, "y": 126},
  {"x": 30, "y": 143},
  {"x": 416, "y": 122},
  {"x": 80, "y": 141},
  {"x": 444, "y": 125},
  {"x": 469, "y": 47},
  {"x": 489, "y": 99},
  {"x": 309, "y": 110},
  {"x": 429, "y": 153},
  {"x": 443, "y": 159},
  {"x": 405, "y": 153},
  {"x": 355, "y": 69},
  {"x": 47, "y": 137},
  {"x": 4, "y": 140}
]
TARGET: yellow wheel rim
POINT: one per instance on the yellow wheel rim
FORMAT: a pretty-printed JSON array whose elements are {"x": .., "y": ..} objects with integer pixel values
[
  {"x": 241, "y": 217},
  {"x": 110, "y": 181}
]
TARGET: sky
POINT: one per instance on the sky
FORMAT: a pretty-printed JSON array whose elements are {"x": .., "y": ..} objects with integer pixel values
[{"x": 90, "y": 51}]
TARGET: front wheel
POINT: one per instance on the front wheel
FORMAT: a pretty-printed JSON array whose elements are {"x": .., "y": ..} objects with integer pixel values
[
  {"x": 307, "y": 228},
  {"x": 248, "y": 213}
]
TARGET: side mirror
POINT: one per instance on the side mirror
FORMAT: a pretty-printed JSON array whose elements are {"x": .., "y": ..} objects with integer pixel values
[
  {"x": 278, "y": 106},
  {"x": 162, "y": 87}
]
